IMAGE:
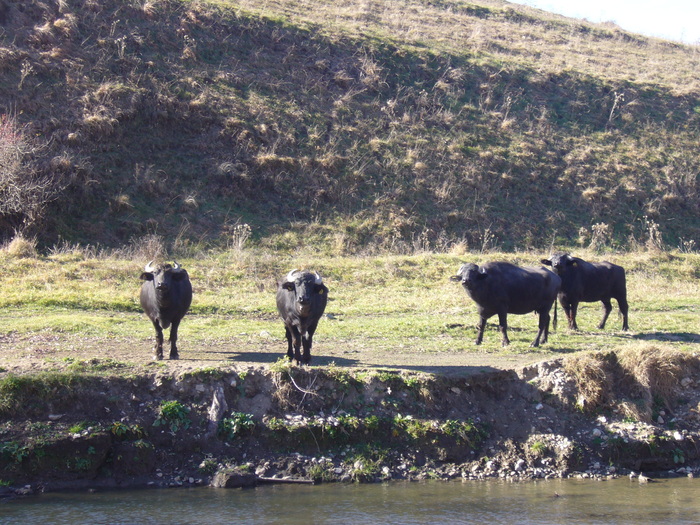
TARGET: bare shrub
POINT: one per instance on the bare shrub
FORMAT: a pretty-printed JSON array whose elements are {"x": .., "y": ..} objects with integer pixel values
[{"x": 24, "y": 190}]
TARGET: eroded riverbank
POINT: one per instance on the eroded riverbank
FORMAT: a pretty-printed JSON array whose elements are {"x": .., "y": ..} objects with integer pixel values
[{"x": 103, "y": 424}]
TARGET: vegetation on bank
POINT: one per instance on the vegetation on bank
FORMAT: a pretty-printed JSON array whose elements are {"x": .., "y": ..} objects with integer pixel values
[
  {"x": 350, "y": 425},
  {"x": 372, "y": 127}
]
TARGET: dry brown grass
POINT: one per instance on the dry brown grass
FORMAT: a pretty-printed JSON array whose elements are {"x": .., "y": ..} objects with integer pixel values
[
  {"x": 634, "y": 381},
  {"x": 592, "y": 373},
  {"x": 21, "y": 247}
]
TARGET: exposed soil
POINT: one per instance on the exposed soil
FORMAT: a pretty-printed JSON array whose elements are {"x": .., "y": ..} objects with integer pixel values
[
  {"x": 82, "y": 421},
  {"x": 39, "y": 351}
]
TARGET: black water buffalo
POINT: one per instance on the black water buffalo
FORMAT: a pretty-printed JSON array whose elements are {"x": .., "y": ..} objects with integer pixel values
[
  {"x": 301, "y": 300},
  {"x": 587, "y": 282},
  {"x": 503, "y": 288},
  {"x": 166, "y": 295}
]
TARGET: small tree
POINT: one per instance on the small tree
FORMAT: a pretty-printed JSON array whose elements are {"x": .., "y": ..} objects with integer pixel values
[{"x": 24, "y": 190}]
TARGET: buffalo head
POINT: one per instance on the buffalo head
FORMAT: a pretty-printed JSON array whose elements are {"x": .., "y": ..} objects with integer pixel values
[
  {"x": 163, "y": 275},
  {"x": 559, "y": 262},
  {"x": 304, "y": 285},
  {"x": 469, "y": 274}
]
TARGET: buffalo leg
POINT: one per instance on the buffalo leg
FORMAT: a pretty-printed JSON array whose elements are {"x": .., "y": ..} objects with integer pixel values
[
  {"x": 503, "y": 325},
  {"x": 288, "y": 334},
  {"x": 543, "y": 329},
  {"x": 480, "y": 330},
  {"x": 296, "y": 343},
  {"x": 158, "y": 355},
  {"x": 173, "y": 340},
  {"x": 571, "y": 314},
  {"x": 567, "y": 311},
  {"x": 624, "y": 309},
  {"x": 607, "y": 308},
  {"x": 306, "y": 342}
]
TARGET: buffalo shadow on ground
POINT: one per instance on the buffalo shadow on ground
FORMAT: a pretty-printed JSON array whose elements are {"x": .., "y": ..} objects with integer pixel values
[{"x": 673, "y": 337}]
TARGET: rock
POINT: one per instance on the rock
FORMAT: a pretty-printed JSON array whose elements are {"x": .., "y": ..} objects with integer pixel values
[
  {"x": 519, "y": 465},
  {"x": 228, "y": 479},
  {"x": 217, "y": 410}
]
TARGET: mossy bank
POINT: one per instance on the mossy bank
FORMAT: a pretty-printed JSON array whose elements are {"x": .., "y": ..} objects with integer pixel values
[{"x": 106, "y": 424}]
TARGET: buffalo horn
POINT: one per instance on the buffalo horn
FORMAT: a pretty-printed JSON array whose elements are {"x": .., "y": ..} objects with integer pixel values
[
  {"x": 290, "y": 275},
  {"x": 176, "y": 265},
  {"x": 149, "y": 267},
  {"x": 319, "y": 280}
]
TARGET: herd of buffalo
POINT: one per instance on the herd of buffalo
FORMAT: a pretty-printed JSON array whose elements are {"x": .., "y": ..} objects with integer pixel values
[{"x": 497, "y": 288}]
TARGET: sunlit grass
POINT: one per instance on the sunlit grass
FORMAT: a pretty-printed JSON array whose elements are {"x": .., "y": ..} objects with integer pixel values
[{"x": 398, "y": 304}]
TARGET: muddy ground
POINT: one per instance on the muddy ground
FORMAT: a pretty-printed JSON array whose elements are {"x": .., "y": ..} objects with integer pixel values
[{"x": 92, "y": 416}]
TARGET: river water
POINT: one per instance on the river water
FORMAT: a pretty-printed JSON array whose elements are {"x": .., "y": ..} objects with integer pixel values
[{"x": 618, "y": 501}]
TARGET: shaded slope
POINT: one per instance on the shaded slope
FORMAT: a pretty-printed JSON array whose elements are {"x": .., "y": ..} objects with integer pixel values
[{"x": 187, "y": 118}]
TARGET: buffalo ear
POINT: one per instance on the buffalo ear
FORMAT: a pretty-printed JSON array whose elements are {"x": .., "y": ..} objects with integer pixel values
[
  {"x": 547, "y": 262},
  {"x": 288, "y": 286},
  {"x": 146, "y": 276},
  {"x": 320, "y": 289}
]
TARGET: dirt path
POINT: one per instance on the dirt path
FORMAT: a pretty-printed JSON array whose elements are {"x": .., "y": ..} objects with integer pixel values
[{"x": 52, "y": 350}]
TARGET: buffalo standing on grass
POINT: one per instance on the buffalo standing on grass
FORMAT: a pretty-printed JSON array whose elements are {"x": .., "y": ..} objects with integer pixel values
[
  {"x": 301, "y": 301},
  {"x": 587, "y": 282},
  {"x": 166, "y": 295},
  {"x": 501, "y": 288}
]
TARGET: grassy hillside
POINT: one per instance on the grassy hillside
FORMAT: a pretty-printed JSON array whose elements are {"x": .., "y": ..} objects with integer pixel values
[{"x": 368, "y": 126}]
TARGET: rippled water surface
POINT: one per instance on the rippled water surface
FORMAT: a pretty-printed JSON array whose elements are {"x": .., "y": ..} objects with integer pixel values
[{"x": 555, "y": 501}]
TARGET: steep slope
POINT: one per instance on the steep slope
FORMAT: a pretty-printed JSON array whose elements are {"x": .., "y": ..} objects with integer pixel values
[{"x": 383, "y": 125}]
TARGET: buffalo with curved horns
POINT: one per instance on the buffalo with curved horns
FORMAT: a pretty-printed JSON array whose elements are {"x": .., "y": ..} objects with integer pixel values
[
  {"x": 501, "y": 288},
  {"x": 587, "y": 282},
  {"x": 166, "y": 295},
  {"x": 301, "y": 301}
]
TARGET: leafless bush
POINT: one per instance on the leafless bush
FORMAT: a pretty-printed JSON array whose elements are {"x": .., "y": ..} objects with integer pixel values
[{"x": 24, "y": 190}]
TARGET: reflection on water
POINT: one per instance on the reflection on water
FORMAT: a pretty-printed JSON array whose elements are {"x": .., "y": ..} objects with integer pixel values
[{"x": 554, "y": 501}]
